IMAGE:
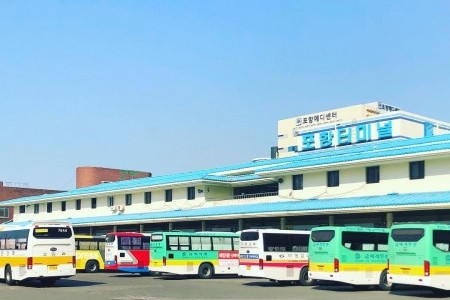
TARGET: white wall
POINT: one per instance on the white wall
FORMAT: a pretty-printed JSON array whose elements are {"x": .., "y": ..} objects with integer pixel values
[{"x": 394, "y": 178}]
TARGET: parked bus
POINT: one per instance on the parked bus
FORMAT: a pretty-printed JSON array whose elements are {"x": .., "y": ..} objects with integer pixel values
[
  {"x": 38, "y": 250},
  {"x": 90, "y": 253},
  {"x": 280, "y": 255},
  {"x": 189, "y": 253},
  {"x": 353, "y": 255},
  {"x": 127, "y": 252},
  {"x": 419, "y": 254}
]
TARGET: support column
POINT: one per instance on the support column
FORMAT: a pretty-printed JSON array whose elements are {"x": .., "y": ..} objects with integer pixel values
[
  {"x": 389, "y": 219},
  {"x": 283, "y": 223},
  {"x": 170, "y": 226},
  {"x": 91, "y": 230},
  {"x": 331, "y": 220},
  {"x": 115, "y": 228},
  {"x": 240, "y": 225},
  {"x": 203, "y": 225},
  {"x": 141, "y": 228}
]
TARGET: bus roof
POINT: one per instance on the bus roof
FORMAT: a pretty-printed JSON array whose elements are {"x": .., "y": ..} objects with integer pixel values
[
  {"x": 441, "y": 226},
  {"x": 198, "y": 233},
  {"x": 351, "y": 228},
  {"x": 26, "y": 225},
  {"x": 126, "y": 233},
  {"x": 274, "y": 230}
]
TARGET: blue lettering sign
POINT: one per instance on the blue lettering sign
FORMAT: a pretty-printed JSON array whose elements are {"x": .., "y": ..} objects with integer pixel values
[
  {"x": 344, "y": 136},
  {"x": 363, "y": 133},
  {"x": 326, "y": 139},
  {"x": 308, "y": 141},
  {"x": 384, "y": 130},
  {"x": 428, "y": 129}
]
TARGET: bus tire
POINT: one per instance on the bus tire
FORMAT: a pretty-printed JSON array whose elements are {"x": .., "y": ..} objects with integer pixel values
[
  {"x": 8, "y": 276},
  {"x": 384, "y": 285},
  {"x": 92, "y": 266},
  {"x": 205, "y": 271},
  {"x": 304, "y": 277}
]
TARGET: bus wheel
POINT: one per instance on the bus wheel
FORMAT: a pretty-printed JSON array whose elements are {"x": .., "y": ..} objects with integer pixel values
[
  {"x": 304, "y": 278},
  {"x": 384, "y": 285},
  {"x": 91, "y": 266},
  {"x": 8, "y": 276},
  {"x": 205, "y": 271}
]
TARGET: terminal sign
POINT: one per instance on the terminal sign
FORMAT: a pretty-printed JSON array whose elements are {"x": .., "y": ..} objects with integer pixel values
[{"x": 345, "y": 136}]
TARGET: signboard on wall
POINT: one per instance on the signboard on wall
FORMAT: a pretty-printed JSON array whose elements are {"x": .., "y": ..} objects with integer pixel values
[{"x": 347, "y": 135}]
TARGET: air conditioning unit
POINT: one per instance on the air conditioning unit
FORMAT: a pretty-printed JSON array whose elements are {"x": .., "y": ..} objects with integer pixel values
[{"x": 113, "y": 208}]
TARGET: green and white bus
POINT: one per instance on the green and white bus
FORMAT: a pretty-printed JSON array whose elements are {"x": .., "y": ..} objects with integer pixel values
[
  {"x": 353, "y": 255},
  {"x": 194, "y": 253},
  {"x": 419, "y": 254}
]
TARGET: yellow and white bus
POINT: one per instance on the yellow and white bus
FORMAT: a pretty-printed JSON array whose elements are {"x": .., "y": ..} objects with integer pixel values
[
  {"x": 90, "y": 253},
  {"x": 38, "y": 250},
  {"x": 419, "y": 254}
]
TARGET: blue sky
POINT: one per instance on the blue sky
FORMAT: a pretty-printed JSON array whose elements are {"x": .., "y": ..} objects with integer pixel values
[{"x": 174, "y": 86}]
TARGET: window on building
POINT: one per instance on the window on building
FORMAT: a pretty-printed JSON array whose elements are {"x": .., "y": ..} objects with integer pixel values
[
  {"x": 4, "y": 212},
  {"x": 417, "y": 169},
  {"x": 191, "y": 192},
  {"x": 297, "y": 182},
  {"x": 22, "y": 209},
  {"x": 168, "y": 195},
  {"x": 373, "y": 174},
  {"x": 49, "y": 207},
  {"x": 78, "y": 204},
  {"x": 63, "y": 205},
  {"x": 36, "y": 208},
  {"x": 332, "y": 178},
  {"x": 128, "y": 199},
  {"x": 148, "y": 197},
  {"x": 93, "y": 203},
  {"x": 110, "y": 201}
]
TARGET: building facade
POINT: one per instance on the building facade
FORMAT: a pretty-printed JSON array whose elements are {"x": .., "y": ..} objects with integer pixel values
[
  {"x": 16, "y": 190},
  {"x": 87, "y": 176},
  {"x": 380, "y": 169}
]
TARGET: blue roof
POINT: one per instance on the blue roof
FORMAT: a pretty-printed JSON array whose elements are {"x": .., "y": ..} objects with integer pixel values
[
  {"x": 282, "y": 206},
  {"x": 262, "y": 169}
]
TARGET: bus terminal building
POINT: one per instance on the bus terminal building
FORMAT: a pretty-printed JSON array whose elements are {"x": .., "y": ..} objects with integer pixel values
[{"x": 371, "y": 164}]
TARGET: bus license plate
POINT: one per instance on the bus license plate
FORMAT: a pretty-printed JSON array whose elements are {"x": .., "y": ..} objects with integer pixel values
[
  {"x": 52, "y": 268},
  {"x": 249, "y": 267}
]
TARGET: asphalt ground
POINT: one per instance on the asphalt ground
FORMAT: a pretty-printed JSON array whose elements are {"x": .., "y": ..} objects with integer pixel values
[{"x": 118, "y": 286}]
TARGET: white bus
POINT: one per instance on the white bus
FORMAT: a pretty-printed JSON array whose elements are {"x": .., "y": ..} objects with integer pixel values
[
  {"x": 280, "y": 255},
  {"x": 38, "y": 250}
]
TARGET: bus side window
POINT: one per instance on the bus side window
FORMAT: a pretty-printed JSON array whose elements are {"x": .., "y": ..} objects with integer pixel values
[
  {"x": 206, "y": 243},
  {"x": 442, "y": 246},
  {"x": 441, "y": 240},
  {"x": 356, "y": 246},
  {"x": 2, "y": 244},
  {"x": 83, "y": 245}
]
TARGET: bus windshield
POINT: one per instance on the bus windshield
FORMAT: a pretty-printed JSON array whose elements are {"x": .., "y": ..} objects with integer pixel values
[
  {"x": 322, "y": 235},
  {"x": 156, "y": 237},
  {"x": 52, "y": 232},
  {"x": 110, "y": 238},
  {"x": 134, "y": 242},
  {"x": 249, "y": 236},
  {"x": 407, "y": 234}
]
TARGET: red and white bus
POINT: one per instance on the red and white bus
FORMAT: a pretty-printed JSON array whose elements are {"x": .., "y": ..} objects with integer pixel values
[
  {"x": 279, "y": 255},
  {"x": 127, "y": 252}
]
